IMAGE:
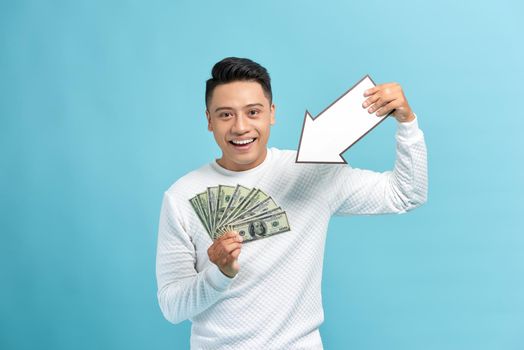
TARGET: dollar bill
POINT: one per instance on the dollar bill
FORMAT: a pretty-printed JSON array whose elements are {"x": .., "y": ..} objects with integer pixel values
[
  {"x": 255, "y": 199},
  {"x": 238, "y": 204},
  {"x": 257, "y": 216},
  {"x": 224, "y": 197},
  {"x": 262, "y": 227},
  {"x": 212, "y": 197},
  {"x": 202, "y": 199},
  {"x": 196, "y": 207},
  {"x": 238, "y": 197},
  {"x": 266, "y": 205},
  {"x": 252, "y": 197},
  {"x": 250, "y": 211}
]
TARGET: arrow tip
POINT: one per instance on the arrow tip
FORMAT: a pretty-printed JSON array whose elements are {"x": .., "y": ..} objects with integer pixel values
[{"x": 310, "y": 150}]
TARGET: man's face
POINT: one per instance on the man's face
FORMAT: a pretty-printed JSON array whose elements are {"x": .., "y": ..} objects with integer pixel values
[
  {"x": 259, "y": 228},
  {"x": 240, "y": 117}
]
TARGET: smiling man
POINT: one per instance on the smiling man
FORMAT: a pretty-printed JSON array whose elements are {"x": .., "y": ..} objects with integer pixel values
[
  {"x": 266, "y": 294},
  {"x": 240, "y": 119}
]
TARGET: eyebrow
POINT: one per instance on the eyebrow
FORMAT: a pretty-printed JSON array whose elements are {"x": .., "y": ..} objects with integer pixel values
[{"x": 246, "y": 106}]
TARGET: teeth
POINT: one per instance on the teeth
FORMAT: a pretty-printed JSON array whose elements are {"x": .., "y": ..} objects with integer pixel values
[{"x": 242, "y": 142}]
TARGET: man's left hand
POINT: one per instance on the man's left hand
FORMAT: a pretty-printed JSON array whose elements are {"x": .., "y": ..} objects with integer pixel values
[{"x": 388, "y": 97}]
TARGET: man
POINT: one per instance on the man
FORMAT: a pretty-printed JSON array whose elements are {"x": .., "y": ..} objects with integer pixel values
[
  {"x": 257, "y": 228},
  {"x": 266, "y": 294}
]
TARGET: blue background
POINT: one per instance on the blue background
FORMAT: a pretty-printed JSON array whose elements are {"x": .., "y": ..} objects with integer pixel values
[{"x": 102, "y": 108}]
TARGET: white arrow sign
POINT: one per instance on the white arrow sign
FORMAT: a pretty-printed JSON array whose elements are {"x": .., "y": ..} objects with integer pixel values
[{"x": 338, "y": 127}]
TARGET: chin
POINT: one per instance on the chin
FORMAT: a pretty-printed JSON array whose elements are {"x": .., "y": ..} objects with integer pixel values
[{"x": 244, "y": 160}]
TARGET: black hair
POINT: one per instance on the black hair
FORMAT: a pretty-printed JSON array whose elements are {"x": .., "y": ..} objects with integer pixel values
[{"x": 232, "y": 69}]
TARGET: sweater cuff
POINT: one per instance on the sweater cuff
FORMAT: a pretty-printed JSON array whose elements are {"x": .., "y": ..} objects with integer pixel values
[
  {"x": 216, "y": 278},
  {"x": 407, "y": 131}
]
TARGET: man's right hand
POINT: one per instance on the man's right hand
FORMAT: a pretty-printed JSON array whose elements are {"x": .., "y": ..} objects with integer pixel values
[{"x": 224, "y": 253}]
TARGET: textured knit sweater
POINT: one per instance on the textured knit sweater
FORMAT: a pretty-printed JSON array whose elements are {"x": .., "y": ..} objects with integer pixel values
[{"x": 274, "y": 302}]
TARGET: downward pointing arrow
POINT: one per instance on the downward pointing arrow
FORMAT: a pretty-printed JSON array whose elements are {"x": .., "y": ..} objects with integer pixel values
[{"x": 338, "y": 127}]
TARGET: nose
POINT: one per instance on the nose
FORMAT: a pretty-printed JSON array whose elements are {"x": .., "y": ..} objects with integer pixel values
[{"x": 241, "y": 125}]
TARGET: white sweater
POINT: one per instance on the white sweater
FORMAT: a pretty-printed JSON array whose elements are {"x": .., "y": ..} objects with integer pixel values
[{"x": 274, "y": 302}]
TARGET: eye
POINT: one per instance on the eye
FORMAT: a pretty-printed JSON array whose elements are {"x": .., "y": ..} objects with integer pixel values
[
  {"x": 254, "y": 112},
  {"x": 225, "y": 114}
]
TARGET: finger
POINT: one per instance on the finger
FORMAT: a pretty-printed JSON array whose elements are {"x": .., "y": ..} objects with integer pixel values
[
  {"x": 222, "y": 248},
  {"x": 377, "y": 88},
  {"x": 227, "y": 249},
  {"x": 235, "y": 253},
  {"x": 371, "y": 91},
  {"x": 368, "y": 102},
  {"x": 382, "y": 101},
  {"x": 222, "y": 237},
  {"x": 232, "y": 235},
  {"x": 388, "y": 108},
  {"x": 232, "y": 257},
  {"x": 227, "y": 235},
  {"x": 231, "y": 240}
]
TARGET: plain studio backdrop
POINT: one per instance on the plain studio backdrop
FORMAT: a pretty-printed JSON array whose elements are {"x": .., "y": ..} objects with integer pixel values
[{"x": 102, "y": 109}]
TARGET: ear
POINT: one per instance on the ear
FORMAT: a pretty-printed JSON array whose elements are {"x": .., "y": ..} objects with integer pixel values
[
  {"x": 208, "y": 117},
  {"x": 272, "y": 114}
]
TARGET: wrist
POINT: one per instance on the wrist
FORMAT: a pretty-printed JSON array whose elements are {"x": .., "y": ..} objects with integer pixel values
[
  {"x": 227, "y": 274},
  {"x": 408, "y": 119}
]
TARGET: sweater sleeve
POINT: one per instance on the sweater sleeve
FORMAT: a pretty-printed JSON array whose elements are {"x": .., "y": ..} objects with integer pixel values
[
  {"x": 358, "y": 191},
  {"x": 182, "y": 291}
]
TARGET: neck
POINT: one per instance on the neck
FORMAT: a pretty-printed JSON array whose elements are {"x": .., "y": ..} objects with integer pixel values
[{"x": 235, "y": 166}]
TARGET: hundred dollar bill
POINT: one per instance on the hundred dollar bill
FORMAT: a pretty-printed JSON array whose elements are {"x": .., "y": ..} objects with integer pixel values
[
  {"x": 224, "y": 196},
  {"x": 250, "y": 211},
  {"x": 202, "y": 199},
  {"x": 256, "y": 216},
  {"x": 196, "y": 207},
  {"x": 237, "y": 197},
  {"x": 240, "y": 195},
  {"x": 212, "y": 196},
  {"x": 255, "y": 197},
  {"x": 266, "y": 205},
  {"x": 259, "y": 197},
  {"x": 262, "y": 227}
]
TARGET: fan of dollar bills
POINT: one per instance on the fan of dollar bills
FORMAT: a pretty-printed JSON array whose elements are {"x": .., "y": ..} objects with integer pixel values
[{"x": 249, "y": 211}]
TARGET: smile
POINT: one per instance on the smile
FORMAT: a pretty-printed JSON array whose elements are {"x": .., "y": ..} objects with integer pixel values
[{"x": 242, "y": 142}]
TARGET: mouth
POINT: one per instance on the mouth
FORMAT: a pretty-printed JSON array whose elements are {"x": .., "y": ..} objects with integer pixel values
[{"x": 242, "y": 143}]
